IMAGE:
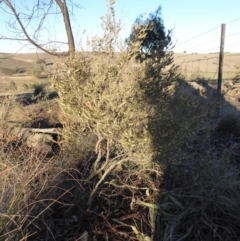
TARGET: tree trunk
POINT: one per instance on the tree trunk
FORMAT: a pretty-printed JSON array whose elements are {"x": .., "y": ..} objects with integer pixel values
[
  {"x": 64, "y": 10},
  {"x": 67, "y": 23}
]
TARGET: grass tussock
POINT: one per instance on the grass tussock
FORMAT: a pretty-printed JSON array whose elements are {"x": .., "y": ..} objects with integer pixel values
[
  {"x": 38, "y": 71},
  {"x": 24, "y": 175},
  {"x": 207, "y": 184},
  {"x": 12, "y": 116},
  {"x": 43, "y": 199},
  {"x": 229, "y": 121}
]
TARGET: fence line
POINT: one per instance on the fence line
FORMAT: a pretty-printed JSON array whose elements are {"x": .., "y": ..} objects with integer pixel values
[
  {"x": 205, "y": 66},
  {"x": 208, "y": 31},
  {"x": 200, "y": 35}
]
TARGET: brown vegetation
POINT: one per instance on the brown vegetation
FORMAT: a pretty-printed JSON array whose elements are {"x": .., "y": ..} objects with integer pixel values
[{"x": 139, "y": 153}]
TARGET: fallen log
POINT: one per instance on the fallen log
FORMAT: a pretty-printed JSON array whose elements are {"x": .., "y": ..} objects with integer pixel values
[
  {"x": 24, "y": 131},
  {"x": 38, "y": 138}
]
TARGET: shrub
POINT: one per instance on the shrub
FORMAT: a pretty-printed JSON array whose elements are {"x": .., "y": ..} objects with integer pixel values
[
  {"x": 41, "y": 61},
  {"x": 26, "y": 86},
  {"x": 109, "y": 106},
  {"x": 12, "y": 85},
  {"x": 229, "y": 121},
  {"x": 149, "y": 40},
  {"x": 38, "y": 71},
  {"x": 8, "y": 71},
  {"x": 39, "y": 91},
  {"x": 90, "y": 94}
]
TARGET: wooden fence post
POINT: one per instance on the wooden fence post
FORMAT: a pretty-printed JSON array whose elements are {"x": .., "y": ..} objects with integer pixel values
[{"x": 221, "y": 55}]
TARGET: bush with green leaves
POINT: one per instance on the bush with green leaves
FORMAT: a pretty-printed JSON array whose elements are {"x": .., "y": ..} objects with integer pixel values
[
  {"x": 111, "y": 96},
  {"x": 39, "y": 91},
  {"x": 149, "y": 39},
  {"x": 123, "y": 113},
  {"x": 108, "y": 106}
]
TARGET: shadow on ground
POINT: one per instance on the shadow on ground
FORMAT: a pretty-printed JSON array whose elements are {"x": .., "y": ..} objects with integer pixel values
[
  {"x": 28, "y": 99},
  {"x": 189, "y": 138}
]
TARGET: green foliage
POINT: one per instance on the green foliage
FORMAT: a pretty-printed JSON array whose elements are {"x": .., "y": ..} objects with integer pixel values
[
  {"x": 103, "y": 100},
  {"x": 39, "y": 91},
  {"x": 148, "y": 39},
  {"x": 111, "y": 97}
]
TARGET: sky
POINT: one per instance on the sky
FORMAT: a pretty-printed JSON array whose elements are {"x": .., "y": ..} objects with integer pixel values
[{"x": 196, "y": 24}]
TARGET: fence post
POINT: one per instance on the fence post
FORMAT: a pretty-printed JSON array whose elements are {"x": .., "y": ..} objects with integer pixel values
[{"x": 221, "y": 55}]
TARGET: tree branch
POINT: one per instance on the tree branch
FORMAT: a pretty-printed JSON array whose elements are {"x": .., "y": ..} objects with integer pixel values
[
  {"x": 66, "y": 19},
  {"x": 37, "y": 9}
]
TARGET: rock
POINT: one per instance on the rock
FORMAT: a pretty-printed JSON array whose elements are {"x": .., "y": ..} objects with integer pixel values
[{"x": 40, "y": 141}]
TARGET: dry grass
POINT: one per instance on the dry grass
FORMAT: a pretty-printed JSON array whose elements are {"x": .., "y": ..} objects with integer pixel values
[
  {"x": 206, "y": 183},
  {"x": 143, "y": 155},
  {"x": 192, "y": 70},
  {"x": 196, "y": 195},
  {"x": 24, "y": 175},
  {"x": 189, "y": 192},
  {"x": 194, "y": 66},
  {"x": 46, "y": 198},
  {"x": 22, "y": 70}
]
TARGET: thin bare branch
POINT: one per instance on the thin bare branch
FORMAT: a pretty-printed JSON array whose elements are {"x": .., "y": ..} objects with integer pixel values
[{"x": 38, "y": 12}]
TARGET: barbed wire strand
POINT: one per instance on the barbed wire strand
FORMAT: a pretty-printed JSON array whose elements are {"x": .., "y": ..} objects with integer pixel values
[
  {"x": 184, "y": 62},
  {"x": 207, "y": 32},
  {"x": 218, "y": 39},
  {"x": 197, "y": 36},
  {"x": 233, "y": 21}
]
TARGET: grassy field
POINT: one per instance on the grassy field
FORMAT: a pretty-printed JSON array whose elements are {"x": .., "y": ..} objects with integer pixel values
[
  {"x": 20, "y": 72},
  {"x": 206, "y": 65},
  {"x": 192, "y": 66},
  {"x": 85, "y": 187}
]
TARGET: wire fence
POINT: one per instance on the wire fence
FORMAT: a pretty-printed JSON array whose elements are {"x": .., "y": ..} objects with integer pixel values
[{"x": 202, "y": 59}]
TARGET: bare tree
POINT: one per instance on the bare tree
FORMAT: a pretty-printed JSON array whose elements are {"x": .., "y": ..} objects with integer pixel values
[{"x": 28, "y": 22}]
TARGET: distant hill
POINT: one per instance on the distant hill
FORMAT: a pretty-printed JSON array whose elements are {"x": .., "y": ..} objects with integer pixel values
[{"x": 10, "y": 63}]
